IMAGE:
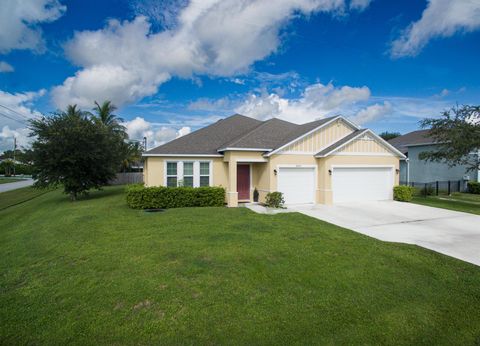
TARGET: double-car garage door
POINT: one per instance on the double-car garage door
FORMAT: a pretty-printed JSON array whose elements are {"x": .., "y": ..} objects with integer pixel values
[{"x": 349, "y": 184}]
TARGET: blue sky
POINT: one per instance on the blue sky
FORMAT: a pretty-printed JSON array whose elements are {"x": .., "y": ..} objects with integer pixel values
[{"x": 173, "y": 66}]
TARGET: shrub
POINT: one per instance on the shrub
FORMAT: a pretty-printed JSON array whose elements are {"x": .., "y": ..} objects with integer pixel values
[
  {"x": 403, "y": 193},
  {"x": 274, "y": 200},
  {"x": 140, "y": 197},
  {"x": 473, "y": 187}
]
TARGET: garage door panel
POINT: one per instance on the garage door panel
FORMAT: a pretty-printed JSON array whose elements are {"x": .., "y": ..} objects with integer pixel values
[
  {"x": 354, "y": 184},
  {"x": 297, "y": 184}
]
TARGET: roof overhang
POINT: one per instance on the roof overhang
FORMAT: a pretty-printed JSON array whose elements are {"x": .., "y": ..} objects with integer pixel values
[
  {"x": 377, "y": 137},
  {"x": 181, "y": 155},
  {"x": 243, "y": 149},
  {"x": 312, "y": 131}
]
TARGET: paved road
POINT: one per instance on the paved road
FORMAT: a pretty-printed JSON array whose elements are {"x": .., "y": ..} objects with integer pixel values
[
  {"x": 16, "y": 185},
  {"x": 449, "y": 232}
]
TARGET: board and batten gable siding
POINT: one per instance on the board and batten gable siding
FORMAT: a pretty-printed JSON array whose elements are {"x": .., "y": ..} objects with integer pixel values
[
  {"x": 365, "y": 144},
  {"x": 320, "y": 139}
]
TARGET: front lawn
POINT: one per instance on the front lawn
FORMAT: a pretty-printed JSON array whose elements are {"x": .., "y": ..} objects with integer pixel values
[
  {"x": 17, "y": 196},
  {"x": 466, "y": 202},
  {"x": 96, "y": 272}
]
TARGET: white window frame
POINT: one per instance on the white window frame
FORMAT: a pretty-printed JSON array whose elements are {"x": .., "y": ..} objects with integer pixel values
[
  {"x": 196, "y": 171},
  {"x": 183, "y": 172},
  {"x": 169, "y": 175}
]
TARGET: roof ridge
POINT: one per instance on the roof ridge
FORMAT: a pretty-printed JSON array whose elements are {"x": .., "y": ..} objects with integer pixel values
[{"x": 239, "y": 138}]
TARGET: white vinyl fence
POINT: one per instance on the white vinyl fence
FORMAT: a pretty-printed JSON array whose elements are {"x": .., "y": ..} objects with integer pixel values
[{"x": 127, "y": 178}]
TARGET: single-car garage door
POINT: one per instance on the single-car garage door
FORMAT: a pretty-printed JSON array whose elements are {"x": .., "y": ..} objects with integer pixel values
[
  {"x": 297, "y": 184},
  {"x": 351, "y": 184}
]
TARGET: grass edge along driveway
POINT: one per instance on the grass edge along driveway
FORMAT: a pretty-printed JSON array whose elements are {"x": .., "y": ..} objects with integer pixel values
[{"x": 94, "y": 271}]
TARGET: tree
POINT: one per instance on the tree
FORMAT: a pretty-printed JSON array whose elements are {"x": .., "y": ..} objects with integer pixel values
[
  {"x": 104, "y": 114},
  {"x": 75, "y": 151},
  {"x": 389, "y": 135},
  {"x": 132, "y": 153},
  {"x": 457, "y": 132}
]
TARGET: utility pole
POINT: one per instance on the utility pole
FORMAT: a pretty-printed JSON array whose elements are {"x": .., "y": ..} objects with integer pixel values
[{"x": 14, "y": 151}]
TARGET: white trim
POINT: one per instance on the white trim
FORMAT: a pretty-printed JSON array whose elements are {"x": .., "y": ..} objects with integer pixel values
[
  {"x": 362, "y": 154},
  {"x": 312, "y": 131},
  {"x": 182, "y": 155},
  {"x": 243, "y": 149},
  {"x": 196, "y": 171},
  {"x": 297, "y": 153},
  {"x": 382, "y": 141},
  {"x": 248, "y": 160}
]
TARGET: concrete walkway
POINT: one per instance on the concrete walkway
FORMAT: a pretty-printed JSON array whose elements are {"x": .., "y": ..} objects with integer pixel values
[
  {"x": 15, "y": 185},
  {"x": 449, "y": 232}
]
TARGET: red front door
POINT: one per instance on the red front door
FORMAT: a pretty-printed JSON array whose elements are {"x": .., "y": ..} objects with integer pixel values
[{"x": 243, "y": 182}]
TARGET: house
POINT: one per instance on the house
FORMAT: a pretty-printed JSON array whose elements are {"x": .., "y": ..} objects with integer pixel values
[
  {"x": 421, "y": 171},
  {"x": 326, "y": 161}
]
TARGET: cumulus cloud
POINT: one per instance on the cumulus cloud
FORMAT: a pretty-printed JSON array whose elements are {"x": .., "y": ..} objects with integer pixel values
[
  {"x": 5, "y": 67},
  {"x": 371, "y": 113},
  {"x": 19, "y": 23},
  {"x": 128, "y": 60},
  {"x": 156, "y": 135},
  {"x": 441, "y": 18},
  {"x": 316, "y": 101}
]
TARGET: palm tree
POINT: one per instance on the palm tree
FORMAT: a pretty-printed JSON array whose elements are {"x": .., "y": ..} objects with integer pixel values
[
  {"x": 73, "y": 110},
  {"x": 104, "y": 114}
]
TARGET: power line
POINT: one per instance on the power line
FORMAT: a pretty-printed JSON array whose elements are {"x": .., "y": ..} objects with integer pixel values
[
  {"x": 14, "y": 119},
  {"x": 14, "y": 111}
]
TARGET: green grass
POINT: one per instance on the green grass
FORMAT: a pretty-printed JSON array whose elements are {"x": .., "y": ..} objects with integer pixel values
[
  {"x": 17, "y": 196},
  {"x": 96, "y": 272},
  {"x": 465, "y": 202},
  {"x": 8, "y": 180}
]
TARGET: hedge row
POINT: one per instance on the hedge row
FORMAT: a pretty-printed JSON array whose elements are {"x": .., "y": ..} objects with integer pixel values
[
  {"x": 140, "y": 197},
  {"x": 473, "y": 187}
]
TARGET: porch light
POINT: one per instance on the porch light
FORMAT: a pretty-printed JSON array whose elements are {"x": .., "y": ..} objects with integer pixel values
[
  {"x": 397, "y": 170},
  {"x": 329, "y": 172},
  {"x": 275, "y": 172}
]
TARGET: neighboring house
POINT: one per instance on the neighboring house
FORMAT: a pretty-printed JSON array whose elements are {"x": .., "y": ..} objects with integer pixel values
[
  {"x": 421, "y": 171},
  {"x": 326, "y": 161}
]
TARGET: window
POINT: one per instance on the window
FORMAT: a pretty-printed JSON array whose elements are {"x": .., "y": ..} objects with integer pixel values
[
  {"x": 188, "y": 174},
  {"x": 171, "y": 174},
  {"x": 204, "y": 173}
]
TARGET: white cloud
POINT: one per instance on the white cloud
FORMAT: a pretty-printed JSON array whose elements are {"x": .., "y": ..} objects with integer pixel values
[
  {"x": 19, "y": 23},
  {"x": 5, "y": 67},
  {"x": 441, "y": 18},
  {"x": 156, "y": 135},
  {"x": 210, "y": 37},
  {"x": 359, "y": 5},
  {"x": 371, "y": 113},
  {"x": 317, "y": 101},
  {"x": 7, "y": 135}
]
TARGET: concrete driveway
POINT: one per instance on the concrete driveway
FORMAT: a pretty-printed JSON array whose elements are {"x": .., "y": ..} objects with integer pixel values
[
  {"x": 16, "y": 185},
  {"x": 449, "y": 232}
]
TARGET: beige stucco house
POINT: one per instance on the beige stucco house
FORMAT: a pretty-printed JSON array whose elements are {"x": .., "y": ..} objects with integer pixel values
[{"x": 326, "y": 161}]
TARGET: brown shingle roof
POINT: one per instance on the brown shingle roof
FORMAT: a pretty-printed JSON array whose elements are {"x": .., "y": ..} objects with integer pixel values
[
  {"x": 237, "y": 131},
  {"x": 411, "y": 138}
]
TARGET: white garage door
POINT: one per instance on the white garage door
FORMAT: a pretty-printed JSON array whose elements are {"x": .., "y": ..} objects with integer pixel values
[
  {"x": 362, "y": 184},
  {"x": 297, "y": 184}
]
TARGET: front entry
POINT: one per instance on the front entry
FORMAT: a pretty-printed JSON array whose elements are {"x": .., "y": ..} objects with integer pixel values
[{"x": 243, "y": 182}]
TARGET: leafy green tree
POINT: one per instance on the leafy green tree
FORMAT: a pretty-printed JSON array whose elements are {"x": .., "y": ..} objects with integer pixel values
[
  {"x": 132, "y": 154},
  {"x": 75, "y": 151},
  {"x": 389, "y": 135},
  {"x": 457, "y": 132},
  {"x": 105, "y": 114}
]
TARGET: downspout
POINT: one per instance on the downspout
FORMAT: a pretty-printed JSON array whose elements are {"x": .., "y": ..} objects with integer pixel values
[{"x": 408, "y": 170}]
